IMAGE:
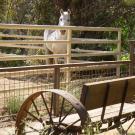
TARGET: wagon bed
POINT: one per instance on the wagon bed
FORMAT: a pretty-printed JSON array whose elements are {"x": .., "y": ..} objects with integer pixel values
[{"x": 104, "y": 105}]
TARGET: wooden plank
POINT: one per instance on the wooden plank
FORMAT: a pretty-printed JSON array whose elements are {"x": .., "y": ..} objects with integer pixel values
[
  {"x": 32, "y": 57},
  {"x": 94, "y": 41},
  {"x": 21, "y": 36},
  {"x": 22, "y": 46},
  {"x": 74, "y": 41},
  {"x": 33, "y": 42},
  {"x": 98, "y": 89},
  {"x": 78, "y": 50},
  {"x": 68, "y": 60},
  {"x": 94, "y": 54},
  {"x": 109, "y": 81},
  {"x": 119, "y": 50},
  {"x": 132, "y": 57},
  {"x": 111, "y": 112},
  {"x": 43, "y": 27}
]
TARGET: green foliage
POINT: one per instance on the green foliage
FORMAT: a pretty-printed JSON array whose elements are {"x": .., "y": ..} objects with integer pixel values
[
  {"x": 92, "y": 129},
  {"x": 2, "y": 9},
  {"x": 125, "y": 57},
  {"x": 13, "y": 105},
  {"x": 129, "y": 2},
  {"x": 30, "y": 11}
]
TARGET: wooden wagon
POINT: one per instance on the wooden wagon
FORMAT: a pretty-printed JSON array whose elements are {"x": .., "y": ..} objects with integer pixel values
[{"x": 103, "y": 106}]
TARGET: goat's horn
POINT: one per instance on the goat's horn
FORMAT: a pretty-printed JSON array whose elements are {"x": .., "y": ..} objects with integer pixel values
[
  {"x": 69, "y": 11},
  {"x": 61, "y": 11}
]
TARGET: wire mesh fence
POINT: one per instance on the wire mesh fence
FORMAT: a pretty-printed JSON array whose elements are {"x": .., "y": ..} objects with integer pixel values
[{"x": 16, "y": 84}]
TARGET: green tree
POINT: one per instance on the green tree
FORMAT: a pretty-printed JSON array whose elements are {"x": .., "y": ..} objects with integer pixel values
[{"x": 2, "y": 9}]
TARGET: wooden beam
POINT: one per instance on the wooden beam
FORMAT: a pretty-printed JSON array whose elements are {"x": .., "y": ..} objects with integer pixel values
[
  {"x": 22, "y": 46},
  {"x": 94, "y": 54},
  {"x": 21, "y": 36},
  {"x": 32, "y": 57},
  {"x": 74, "y": 41},
  {"x": 31, "y": 42},
  {"x": 94, "y": 41},
  {"x": 77, "y": 50},
  {"x": 43, "y": 27},
  {"x": 51, "y": 70}
]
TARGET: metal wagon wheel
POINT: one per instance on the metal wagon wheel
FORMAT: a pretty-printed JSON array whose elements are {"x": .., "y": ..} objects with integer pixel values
[{"x": 37, "y": 116}]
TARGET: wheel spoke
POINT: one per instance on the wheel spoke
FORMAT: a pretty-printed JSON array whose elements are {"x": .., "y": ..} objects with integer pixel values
[
  {"x": 38, "y": 112},
  {"x": 52, "y": 97},
  {"x": 63, "y": 100},
  {"x": 65, "y": 130},
  {"x": 52, "y": 132},
  {"x": 33, "y": 116},
  {"x": 45, "y": 132},
  {"x": 72, "y": 123},
  {"x": 64, "y": 117},
  {"x": 30, "y": 127},
  {"x": 44, "y": 101},
  {"x": 35, "y": 107}
]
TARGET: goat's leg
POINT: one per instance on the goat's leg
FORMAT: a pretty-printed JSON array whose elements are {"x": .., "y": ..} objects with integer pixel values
[
  {"x": 47, "y": 52},
  {"x": 49, "y": 60}
]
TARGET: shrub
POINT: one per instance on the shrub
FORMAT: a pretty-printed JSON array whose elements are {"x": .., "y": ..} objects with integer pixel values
[{"x": 13, "y": 105}]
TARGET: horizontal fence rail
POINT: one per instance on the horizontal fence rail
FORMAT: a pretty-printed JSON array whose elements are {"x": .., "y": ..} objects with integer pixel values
[
  {"x": 56, "y": 27},
  {"x": 63, "y": 65},
  {"x": 74, "y": 41}
]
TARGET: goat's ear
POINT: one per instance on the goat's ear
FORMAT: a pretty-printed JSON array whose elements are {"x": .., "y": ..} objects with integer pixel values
[
  {"x": 61, "y": 11},
  {"x": 69, "y": 11}
]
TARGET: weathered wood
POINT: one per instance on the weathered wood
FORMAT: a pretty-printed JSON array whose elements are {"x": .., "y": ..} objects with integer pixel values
[
  {"x": 43, "y": 27},
  {"x": 56, "y": 86},
  {"x": 94, "y": 41},
  {"x": 132, "y": 57},
  {"x": 21, "y": 36},
  {"x": 78, "y": 50},
  {"x": 12, "y": 57},
  {"x": 33, "y": 42},
  {"x": 73, "y": 41},
  {"x": 110, "y": 102},
  {"x": 97, "y": 89},
  {"x": 119, "y": 51},
  {"x": 22, "y": 46},
  {"x": 95, "y": 54},
  {"x": 50, "y": 71},
  {"x": 26, "y": 68}
]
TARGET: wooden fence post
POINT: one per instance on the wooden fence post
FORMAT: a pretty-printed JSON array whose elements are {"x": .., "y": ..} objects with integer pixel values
[
  {"x": 69, "y": 38},
  {"x": 56, "y": 86},
  {"x": 119, "y": 52},
  {"x": 132, "y": 58}
]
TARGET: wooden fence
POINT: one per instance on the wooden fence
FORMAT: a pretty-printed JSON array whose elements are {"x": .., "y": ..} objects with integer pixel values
[
  {"x": 20, "y": 82},
  {"x": 33, "y": 42},
  {"x": 132, "y": 56}
]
